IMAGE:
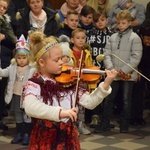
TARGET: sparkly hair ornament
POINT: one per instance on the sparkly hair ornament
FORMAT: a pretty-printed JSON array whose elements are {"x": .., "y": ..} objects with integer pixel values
[
  {"x": 22, "y": 46},
  {"x": 52, "y": 42}
]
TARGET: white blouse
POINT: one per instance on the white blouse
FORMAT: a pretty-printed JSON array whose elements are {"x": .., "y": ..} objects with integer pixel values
[{"x": 34, "y": 106}]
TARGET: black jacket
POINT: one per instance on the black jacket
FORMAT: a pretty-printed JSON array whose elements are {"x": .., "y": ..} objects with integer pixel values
[
  {"x": 97, "y": 39},
  {"x": 8, "y": 44},
  {"x": 17, "y": 5},
  {"x": 144, "y": 65},
  {"x": 23, "y": 24}
]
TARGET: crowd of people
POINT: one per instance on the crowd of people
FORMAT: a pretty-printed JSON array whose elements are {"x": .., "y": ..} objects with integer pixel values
[{"x": 37, "y": 44}]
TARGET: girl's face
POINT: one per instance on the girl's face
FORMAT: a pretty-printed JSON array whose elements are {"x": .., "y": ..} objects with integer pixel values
[
  {"x": 65, "y": 59},
  {"x": 3, "y": 7},
  {"x": 72, "y": 4},
  {"x": 22, "y": 60},
  {"x": 79, "y": 40},
  {"x": 36, "y": 6},
  {"x": 87, "y": 20},
  {"x": 52, "y": 62},
  {"x": 101, "y": 2},
  {"x": 123, "y": 24},
  {"x": 101, "y": 23},
  {"x": 72, "y": 21}
]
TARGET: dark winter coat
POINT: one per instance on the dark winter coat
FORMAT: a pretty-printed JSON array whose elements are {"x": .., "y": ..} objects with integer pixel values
[
  {"x": 23, "y": 24},
  {"x": 17, "y": 5},
  {"x": 97, "y": 39},
  {"x": 8, "y": 44}
]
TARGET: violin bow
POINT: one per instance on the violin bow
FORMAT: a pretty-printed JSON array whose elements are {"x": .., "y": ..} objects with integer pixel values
[{"x": 78, "y": 79}]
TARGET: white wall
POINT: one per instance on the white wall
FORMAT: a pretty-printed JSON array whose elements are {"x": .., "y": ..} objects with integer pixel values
[{"x": 143, "y": 2}]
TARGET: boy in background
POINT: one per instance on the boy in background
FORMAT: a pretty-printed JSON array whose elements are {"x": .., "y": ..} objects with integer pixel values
[
  {"x": 70, "y": 23},
  {"x": 136, "y": 10},
  {"x": 97, "y": 38},
  {"x": 86, "y": 17},
  {"x": 126, "y": 45},
  {"x": 78, "y": 40}
]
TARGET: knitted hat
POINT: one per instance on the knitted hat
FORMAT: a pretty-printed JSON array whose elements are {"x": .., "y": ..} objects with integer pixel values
[
  {"x": 122, "y": 3},
  {"x": 65, "y": 48},
  {"x": 22, "y": 46},
  {"x": 64, "y": 42}
]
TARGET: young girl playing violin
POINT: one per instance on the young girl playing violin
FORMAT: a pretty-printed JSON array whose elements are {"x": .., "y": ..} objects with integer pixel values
[{"x": 50, "y": 105}]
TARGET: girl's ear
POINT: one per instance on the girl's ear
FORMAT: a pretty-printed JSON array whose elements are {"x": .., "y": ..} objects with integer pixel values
[{"x": 41, "y": 62}]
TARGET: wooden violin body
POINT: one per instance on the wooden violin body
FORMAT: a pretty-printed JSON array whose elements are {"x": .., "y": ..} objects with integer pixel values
[
  {"x": 69, "y": 74},
  {"x": 90, "y": 75}
]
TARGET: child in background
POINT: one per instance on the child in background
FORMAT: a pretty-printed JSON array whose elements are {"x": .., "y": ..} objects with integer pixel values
[
  {"x": 66, "y": 51},
  {"x": 19, "y": 72},
  {"x": 78, "y": 40},
  {"x": 97, "y": 39},
  {"x": 126, "y": 45},
  {"x": 71, "y": 22},
  {"x": 86, "y": 17},
  {"x": 98, "y": 36},
  {"x": 54, "y": 125},
  {"x": 136, "y": 10}
]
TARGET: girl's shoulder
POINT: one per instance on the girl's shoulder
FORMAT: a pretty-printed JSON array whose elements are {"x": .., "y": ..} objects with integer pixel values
[{"x": 31, "y": 88}]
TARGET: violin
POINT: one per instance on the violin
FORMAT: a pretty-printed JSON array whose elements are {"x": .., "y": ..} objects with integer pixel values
[
  {"x": 69, "y": 74},
  {"x": 90, "y": 75}
]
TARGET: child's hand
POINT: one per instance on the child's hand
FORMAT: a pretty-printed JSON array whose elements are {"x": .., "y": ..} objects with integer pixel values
[
  {"x": 111, "y": 74},
  {"x": 71, "y": 113}
]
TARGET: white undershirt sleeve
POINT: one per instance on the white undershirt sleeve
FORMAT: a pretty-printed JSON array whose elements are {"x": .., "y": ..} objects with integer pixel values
[
  {"x": 37, "y": 109},
  {"x": 90, "y": 101}
]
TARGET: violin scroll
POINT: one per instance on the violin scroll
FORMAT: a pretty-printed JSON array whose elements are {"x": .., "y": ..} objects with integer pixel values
[{"x": 123, "y": 76}]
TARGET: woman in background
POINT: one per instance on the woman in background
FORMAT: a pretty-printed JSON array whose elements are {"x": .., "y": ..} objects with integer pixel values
[
  {"x": 36, "y": 17},
  {"x": 99, "y": 5}
]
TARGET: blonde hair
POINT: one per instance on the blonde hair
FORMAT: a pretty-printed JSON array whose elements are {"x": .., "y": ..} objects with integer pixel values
[
  {"x": 125, "y": 14},
  {"x": 40, "y": 44},
  {"x": 14, "y": 60},
  {"x": 72, "y": 12},
  {"x": 95, "y": 4},
  {"x": 77, "y": 30}
]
